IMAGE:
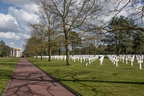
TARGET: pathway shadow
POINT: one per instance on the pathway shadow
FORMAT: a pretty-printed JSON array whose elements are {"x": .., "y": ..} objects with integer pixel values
[
  {"x": 28, "y": 80},
  {"x": 31, "y": 85}
]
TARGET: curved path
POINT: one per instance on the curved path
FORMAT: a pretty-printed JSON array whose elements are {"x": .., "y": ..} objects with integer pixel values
[{"x": 28, "y": 80}]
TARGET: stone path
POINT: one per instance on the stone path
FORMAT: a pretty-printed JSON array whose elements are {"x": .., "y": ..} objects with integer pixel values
[{"x": 28, "y": 80}]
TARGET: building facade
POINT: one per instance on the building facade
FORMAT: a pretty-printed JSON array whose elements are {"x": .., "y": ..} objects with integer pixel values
[{"x": 15, "y": 52}]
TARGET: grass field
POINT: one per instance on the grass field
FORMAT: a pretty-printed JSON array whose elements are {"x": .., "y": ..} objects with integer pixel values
[
  {"x": 7, "y": 66},
  {"x": 96, "y": 79}
]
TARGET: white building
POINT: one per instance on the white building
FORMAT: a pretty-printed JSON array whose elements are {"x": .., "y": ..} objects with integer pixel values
[{"x": 15, "y": 52}]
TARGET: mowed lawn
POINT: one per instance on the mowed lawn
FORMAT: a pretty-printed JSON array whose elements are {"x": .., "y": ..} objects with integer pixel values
[
  {"x": 96, "y": 79},
  {"x": 7, "y": 66}
]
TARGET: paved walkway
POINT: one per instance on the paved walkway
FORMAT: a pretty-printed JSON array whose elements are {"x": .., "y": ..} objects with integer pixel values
[{"x": 28, "y": 80}]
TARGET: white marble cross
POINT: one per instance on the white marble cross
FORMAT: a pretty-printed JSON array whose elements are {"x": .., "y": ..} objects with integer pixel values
[{"x": 101, "y": 59}]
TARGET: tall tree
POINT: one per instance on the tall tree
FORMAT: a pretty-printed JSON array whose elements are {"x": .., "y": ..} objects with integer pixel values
[
  {"x": 121, "y": 39},
  {"x": 50, "y": 24},
  {"x": 72, "y": 14}
]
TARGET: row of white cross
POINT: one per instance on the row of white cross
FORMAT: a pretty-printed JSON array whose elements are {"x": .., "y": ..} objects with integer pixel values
[
  {"x": 125, "y": 58},
  {"x": 91, "y": 58},
  {"x": 85, "y": 58}
]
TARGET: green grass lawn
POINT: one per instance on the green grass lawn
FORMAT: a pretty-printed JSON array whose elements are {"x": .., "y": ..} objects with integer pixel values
[
  {"x": 96, "y": 79},
  {"x": 7, "y": 66}
]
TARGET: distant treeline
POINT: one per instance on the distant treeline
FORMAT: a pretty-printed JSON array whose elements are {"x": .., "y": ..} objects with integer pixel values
[{"x": 4, "y": 49}]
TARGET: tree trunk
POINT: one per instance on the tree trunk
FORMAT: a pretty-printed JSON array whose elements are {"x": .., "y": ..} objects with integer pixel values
[
  {"x": 36, "y": 55},
  {"x": 117, "y": 49},
  {"x": 117, "y": 45},
  {"x": 59, "y": 51},
  {"x": 41, "y": 52},
  {"x": 49, "y": 54},
  {"x": 67, "y": 54},
  {"x": 73, "y": 50},
  {"x": 67, "y": 50}
]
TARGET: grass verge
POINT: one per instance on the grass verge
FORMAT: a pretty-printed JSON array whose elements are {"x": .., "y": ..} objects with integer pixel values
[{"x": 7, "y": 66}]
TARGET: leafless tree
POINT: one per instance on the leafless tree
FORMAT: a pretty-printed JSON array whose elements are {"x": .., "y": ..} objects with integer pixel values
[
  {"x": 72, "y": 14},
  {"x": 50, "y": 25}
]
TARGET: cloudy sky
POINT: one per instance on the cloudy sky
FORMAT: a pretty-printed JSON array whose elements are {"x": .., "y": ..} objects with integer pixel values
[
  {"x": 14, "y": 18},
  {"x": 16, "y": 14}
]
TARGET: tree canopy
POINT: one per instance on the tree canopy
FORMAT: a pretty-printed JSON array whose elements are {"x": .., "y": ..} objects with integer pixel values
[{"x": 124, "y": 40}]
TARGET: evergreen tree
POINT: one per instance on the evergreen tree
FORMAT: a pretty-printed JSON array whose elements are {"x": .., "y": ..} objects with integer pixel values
[
  {"x": 138, "y": 41},
  {"x": 120, "y": 40},
  {"x": 75, "y": 41}
]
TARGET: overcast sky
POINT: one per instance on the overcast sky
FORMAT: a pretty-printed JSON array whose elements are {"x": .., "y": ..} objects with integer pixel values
[{"x": 16, "y": 14}]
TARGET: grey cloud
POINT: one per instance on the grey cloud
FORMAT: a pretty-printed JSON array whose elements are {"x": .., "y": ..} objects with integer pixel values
[
  {"x": 9, "y": 35},
  {"x": 9, "y": 25}
]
